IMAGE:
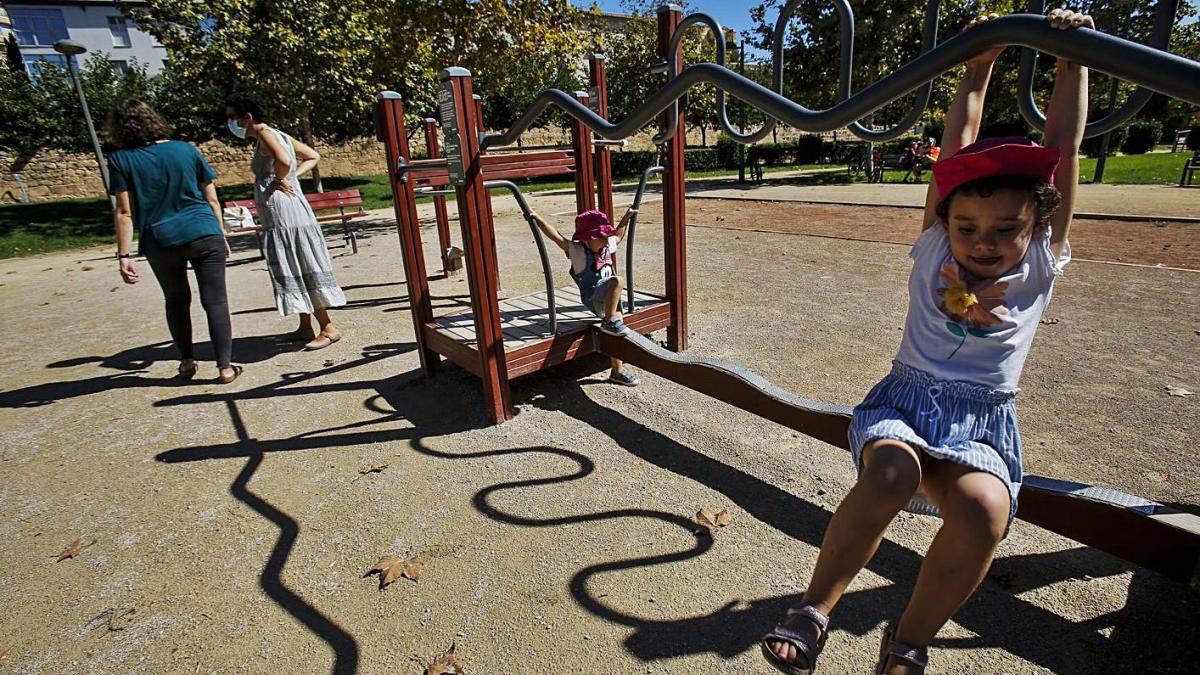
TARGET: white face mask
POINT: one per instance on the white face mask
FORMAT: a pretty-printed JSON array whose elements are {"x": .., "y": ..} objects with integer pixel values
[{"x": 237, "y": 129}]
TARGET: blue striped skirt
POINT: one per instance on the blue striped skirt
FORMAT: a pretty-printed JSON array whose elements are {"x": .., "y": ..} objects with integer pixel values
[{"x": 956, "y": 421}]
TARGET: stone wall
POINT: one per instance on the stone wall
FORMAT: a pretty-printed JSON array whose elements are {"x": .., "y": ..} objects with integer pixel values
[{"x": 52, "y": 175}]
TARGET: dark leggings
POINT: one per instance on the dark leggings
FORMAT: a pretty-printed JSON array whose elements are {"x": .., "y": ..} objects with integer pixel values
[{"x": 207, "y": 256}]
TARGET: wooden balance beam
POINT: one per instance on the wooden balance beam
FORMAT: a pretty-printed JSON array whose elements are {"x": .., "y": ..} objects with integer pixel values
[{"x": 1134, "y": 529}]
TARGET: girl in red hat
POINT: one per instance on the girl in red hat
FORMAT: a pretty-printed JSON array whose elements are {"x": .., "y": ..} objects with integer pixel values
[
  {"x": 592, "y": 249},
  {"x": 939, "y": 433}
]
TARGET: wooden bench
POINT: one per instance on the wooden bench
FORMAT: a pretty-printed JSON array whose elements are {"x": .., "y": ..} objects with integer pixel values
[
  {"x": 511, "y": 166},
  {"x": 342, "y": 200},
  {"x": 1190, "y": 167}
]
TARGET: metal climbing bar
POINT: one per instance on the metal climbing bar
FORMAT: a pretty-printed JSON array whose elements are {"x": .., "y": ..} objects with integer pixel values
[
  {"x": 1154, "y": 69},
  {"x": 637, "y": 204},
  {"x": 537, "y": 239}
]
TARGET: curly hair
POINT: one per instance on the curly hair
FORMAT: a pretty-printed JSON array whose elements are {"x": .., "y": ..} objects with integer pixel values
[
  {"x": 132, "y": 123},
  {"x": 247, "y": 105},
  {"x": 1046, "y": 197}
]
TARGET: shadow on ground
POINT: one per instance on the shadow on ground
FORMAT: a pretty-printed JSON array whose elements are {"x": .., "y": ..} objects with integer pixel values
[{"x": 1129, "y": 639}]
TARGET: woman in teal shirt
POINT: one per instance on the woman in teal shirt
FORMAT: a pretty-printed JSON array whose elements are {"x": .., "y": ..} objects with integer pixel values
[{"x": 165, "y": 189}]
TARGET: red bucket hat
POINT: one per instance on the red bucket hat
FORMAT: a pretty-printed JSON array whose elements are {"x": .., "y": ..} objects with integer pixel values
[
  {"x": 592, "y": 224},
  {"x": 1013, "y": 156}
]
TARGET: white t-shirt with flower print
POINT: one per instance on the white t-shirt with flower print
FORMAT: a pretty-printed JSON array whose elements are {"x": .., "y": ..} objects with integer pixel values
[{"x": 960, "y": 328}]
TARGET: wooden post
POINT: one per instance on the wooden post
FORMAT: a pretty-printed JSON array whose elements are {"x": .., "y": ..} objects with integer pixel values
[
  {"x": 481, "y": 126},
  {"x": 479, "y": 240},
  {"x": 389, "y": 122},
  {"x": 439, "y": 201},
  {"x": 585, "y": 176},
  {"x": 599, "y": 96},
  {"x": 674, "y": 192}
]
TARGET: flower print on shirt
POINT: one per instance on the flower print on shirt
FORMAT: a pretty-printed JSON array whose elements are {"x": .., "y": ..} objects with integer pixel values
[{"x": 972, "y": 309}]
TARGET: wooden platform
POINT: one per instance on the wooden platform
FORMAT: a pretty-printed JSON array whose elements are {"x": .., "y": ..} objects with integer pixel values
[{"x": 529, "y": 344}]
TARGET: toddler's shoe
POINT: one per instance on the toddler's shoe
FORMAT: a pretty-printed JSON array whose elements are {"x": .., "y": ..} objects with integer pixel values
[
  {"x": 623, "y": 379},
  {"x": 614, "y": 326}
]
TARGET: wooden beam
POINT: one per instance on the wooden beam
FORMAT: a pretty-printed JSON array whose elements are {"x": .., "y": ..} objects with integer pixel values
[
  {"x": 390, "y": 119},
  {"x": 585, "y": 178},
  {"x": 439, "y": 201},
  {"x": 479, "y": 241},
  {"x": 674, "y": 192},
  {"x": 599, "y": 94}
]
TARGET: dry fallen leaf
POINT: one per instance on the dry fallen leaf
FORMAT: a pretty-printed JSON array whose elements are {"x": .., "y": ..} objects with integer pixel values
[
  {"x": 87, "y": 268},
  {"x": 4, "y": 654},
  {"x": 73, "y": 549},
  {"x": 392, "y": 567},
  {"x": 1049, "y": 321},
  {"x": 1177, "y": 391},
  {"x": 373, "y": 468},
  {"x": 445, "y": 664},
  {"x": 723, "y": 517},
  {"x": 710, "y": 521}
]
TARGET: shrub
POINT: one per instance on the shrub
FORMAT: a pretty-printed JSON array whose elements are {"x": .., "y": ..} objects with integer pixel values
[
  {"x": 809, "y": 150},
  {"x": 772, "y": 154},
  {"x": 1143, "y": 135},
  {"x": 727, "y": 151},
  {"x": 702, "y": 159},
  {"x": 1193, "y": 138},
  {"x": 633, "y": 162},
  {"x": 1091, "y": 146}
]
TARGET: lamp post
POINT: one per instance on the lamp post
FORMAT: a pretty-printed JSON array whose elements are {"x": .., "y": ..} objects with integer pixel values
[{"x": 71, "y": 49}]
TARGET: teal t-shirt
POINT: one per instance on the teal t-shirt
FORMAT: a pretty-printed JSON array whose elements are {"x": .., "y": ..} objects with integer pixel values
[{"x": 163, "y": 181}]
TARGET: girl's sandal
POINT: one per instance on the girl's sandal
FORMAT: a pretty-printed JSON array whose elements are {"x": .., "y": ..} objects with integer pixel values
[
  {"x": 237, "y": 372},
  {"x": 323, "y": 340},
  {"x": 807, "y": 650},
  {"x": 891, "y": 651}
]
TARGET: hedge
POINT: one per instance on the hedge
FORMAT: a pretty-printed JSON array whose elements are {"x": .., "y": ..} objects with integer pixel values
[
  {"x": 1143, "y": 135},
  {"x": 1091, "y": 146}
]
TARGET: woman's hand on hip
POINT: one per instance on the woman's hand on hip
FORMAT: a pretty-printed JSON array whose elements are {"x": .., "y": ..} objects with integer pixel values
[
  {"x": 129, "y": 273},
  {"x": 283, "y": 186}
]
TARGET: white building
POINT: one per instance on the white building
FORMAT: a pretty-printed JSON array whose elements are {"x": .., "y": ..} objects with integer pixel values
[{"x": 98, "y": 25}]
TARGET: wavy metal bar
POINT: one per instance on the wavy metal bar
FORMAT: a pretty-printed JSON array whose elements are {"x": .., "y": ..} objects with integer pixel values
[
  {"x": 673, "y": 64},
  {"x": 637, "y": 204},
  {"x": 537, "y": 239},
  {"x": 1165, "y": 73},
  {"x": 1164, "y": 20}
]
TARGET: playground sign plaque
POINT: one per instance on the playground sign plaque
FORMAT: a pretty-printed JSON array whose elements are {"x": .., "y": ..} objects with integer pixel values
[{"x": 453, "y": 148}]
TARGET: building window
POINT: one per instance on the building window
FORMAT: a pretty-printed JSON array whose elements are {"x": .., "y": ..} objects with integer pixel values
[
  {"x": 118, "y": 26},
  {"x": 34, "y": 63},
  {"x": 38, "y": 27},
  {"x": 119, "y": 67}
]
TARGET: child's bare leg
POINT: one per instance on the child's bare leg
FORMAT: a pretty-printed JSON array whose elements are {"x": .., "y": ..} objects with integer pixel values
[
  {"x": 612, "y": 302},
  {"x": 616, "y": 366},
  {"x": 975, "y": 509},
  {"x": 890, "y": 475}
]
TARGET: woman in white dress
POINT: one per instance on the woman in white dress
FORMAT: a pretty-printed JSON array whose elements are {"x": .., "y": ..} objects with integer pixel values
[{"x": 301, "y": 270}]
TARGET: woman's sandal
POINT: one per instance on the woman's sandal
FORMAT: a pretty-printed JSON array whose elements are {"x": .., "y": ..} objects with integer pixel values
[
  {"x": 237, "y": 372},
  {"x": 187, "y": 373},
  {"x": 890, "y": 651},
  {"x": 323, "y": 340},
  {"x": 806, "y": 649}
]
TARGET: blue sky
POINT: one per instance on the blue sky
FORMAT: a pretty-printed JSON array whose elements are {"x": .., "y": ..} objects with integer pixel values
[{"x": 733, "y": 14}]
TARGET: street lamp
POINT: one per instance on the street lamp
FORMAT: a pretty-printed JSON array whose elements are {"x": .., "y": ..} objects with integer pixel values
[{"x": 71, "y": 49}]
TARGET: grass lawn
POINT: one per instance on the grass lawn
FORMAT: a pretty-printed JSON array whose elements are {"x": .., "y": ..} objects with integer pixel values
[
  {"x": 28, "y": 229},
  {"x": 1159, "y": 168}
]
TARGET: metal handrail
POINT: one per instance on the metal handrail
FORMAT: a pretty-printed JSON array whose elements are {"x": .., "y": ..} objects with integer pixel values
[
  {"x": 637, "y": 204},
  {"x": 1160, "y": 71},
  {"x": 537, "y": 236}
]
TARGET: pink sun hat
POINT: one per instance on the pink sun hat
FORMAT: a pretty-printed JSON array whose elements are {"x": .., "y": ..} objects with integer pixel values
[
  {"x": 592, "y": 224},
  {"x": 1012, "y": 156}
]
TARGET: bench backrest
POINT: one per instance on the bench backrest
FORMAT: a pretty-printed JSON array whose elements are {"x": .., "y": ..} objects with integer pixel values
[
  {"x": 338, "y": 199},
  {"x": 319, "y": 201}
]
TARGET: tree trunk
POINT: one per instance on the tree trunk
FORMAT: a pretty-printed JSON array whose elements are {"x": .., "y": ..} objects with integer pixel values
[
  {"x": 306, "y": 129},
  {"x": 704, "y": 135}
]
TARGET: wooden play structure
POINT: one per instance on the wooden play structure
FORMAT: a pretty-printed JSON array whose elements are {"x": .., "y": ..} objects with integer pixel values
[{"x": 501, "y": 340}]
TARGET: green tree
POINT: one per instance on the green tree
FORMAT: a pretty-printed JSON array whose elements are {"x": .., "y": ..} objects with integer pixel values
[
  {"x": 634, "y": 49},
  {"x": 308, "y": 60}
]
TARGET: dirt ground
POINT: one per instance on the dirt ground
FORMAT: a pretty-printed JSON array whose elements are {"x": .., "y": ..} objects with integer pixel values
[{"x": 233, "y": 528}]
